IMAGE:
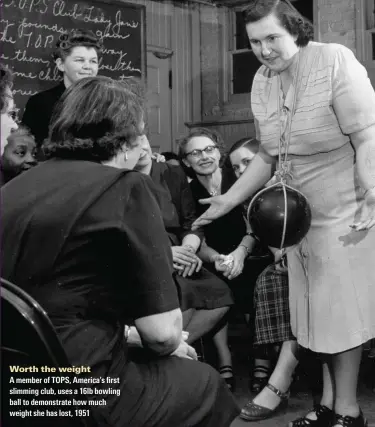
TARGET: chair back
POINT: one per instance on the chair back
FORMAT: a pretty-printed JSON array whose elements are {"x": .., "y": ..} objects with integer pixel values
[{"x": 28, "y": 339}]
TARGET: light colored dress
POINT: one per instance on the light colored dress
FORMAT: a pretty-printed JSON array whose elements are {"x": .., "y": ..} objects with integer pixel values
[{"x": 332, "y": 271}]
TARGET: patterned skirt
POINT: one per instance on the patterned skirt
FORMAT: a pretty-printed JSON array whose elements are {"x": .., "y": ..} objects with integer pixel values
[{"x": 271, "y": 298}]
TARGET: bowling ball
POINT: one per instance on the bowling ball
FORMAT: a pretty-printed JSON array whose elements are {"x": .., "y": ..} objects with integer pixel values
[{"x": 267, "y": 216}]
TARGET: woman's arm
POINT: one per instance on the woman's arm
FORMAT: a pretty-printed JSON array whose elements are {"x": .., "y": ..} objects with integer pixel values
[
  {"x": 255, "y": 176},
  {"x": 207, "y": 254},
  {"x": 364, "y": 144},
  {"x": 248, "y": 243},
  {"x": 162, "y": 332},
  {"x": 192, "y": 241}
]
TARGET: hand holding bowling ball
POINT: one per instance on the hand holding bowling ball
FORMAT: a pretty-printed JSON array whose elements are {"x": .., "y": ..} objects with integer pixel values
[{"x": 277, "y": 208}]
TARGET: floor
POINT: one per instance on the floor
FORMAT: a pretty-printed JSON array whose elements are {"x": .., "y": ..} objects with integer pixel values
[{"x": 301, "y": 397}]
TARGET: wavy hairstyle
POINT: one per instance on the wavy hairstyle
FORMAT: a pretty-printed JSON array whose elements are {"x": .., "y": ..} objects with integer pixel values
[
  {"x": 94, "y": 119},
  {"x": 74, "y": 38},
  {"x": 296, "y": 24},
  {"x": 6, "y": 83}
]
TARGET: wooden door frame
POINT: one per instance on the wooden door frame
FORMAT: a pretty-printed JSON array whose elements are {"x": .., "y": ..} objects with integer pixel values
[{"x": 164, "y": 54}]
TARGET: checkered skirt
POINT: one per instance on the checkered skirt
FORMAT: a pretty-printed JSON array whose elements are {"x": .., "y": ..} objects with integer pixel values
[{"x": 271, "y": 298}]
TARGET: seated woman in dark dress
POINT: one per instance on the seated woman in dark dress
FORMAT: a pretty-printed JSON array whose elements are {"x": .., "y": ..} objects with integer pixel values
[
  {"x": 76, "y": 56},
  {"x": 204, "y": 297},
  {"x": 85, "y": 238},
  {"x": 227, "y": 244}
]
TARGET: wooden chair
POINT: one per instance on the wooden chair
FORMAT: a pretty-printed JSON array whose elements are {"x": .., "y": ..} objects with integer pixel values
[{"x": 28, "y": 338}]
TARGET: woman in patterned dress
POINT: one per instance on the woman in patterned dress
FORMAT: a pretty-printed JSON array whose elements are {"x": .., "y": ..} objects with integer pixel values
[{"x": 315, "y": 101}]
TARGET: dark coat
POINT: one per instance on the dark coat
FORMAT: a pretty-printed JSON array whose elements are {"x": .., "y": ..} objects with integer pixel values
[{"x": 38, "y": 111}]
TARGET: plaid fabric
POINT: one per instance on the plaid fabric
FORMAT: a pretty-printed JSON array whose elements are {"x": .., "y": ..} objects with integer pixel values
[{"x": 271, "y": 298}]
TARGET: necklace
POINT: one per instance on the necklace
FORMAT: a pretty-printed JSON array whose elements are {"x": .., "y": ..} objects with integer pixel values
[{"x": 215, "y": 191}]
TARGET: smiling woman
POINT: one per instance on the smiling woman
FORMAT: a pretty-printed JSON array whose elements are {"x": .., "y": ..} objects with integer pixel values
[
  {"x": 76, "y": 56},
  {"x": 18, "y": 156},
  {"x": 6, "y": 105},
  {"x": 314, "y": 113}
]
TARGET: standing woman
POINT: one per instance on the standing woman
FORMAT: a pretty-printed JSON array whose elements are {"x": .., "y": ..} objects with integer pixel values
[
  {"x": 76, "y": 56},
  {"x": 8, "y": 123},
  {"x": 315, "y": 102}
]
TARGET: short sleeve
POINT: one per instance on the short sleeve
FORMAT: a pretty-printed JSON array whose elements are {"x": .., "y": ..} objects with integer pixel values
[
  {"x": 146, "y": 253},
  {"x": 352, "y": 93},
  {"x": 183, "y": 200}
]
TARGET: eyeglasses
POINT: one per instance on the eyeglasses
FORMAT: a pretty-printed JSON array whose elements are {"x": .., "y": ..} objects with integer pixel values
[{"x": 198, "y": 153}]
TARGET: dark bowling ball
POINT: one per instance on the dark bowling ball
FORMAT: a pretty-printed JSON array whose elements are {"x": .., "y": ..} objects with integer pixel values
[{"x": 267, "y": 215}]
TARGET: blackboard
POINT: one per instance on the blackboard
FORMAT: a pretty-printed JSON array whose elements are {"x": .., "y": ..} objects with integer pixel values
[{"x": 30, "y": 28}]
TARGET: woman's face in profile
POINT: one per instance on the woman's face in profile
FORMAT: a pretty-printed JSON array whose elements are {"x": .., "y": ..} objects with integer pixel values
[
  {"x": 133, "y": 153},
  {"x": 134, "y": 150},
  {"x": 145, "y": 157},
  {"x": 240, "y": 159},
  {"x": 271, "y": 43},
  {"x": 8, "y": 123}
]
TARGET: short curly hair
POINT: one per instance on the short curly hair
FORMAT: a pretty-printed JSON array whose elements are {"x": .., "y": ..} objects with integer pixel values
[
  {"x": 201, "y": 131},
  {"x": 94, "y": 119},
  {"x": 6, "y": 83},
  {"x": 296, "y": 24},
  {"x": 74, "y": 38}
]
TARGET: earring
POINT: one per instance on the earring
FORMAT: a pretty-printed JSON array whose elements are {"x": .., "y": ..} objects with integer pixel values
[{"x": 126, "y": 155}]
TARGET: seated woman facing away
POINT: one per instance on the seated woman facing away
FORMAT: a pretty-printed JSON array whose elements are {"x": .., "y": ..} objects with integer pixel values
[{"x": 104, "y": 260}]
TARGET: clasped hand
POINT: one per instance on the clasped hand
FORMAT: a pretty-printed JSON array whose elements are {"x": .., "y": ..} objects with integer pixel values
[
  {"x": 185, "y": 262},
  {"x": 184, "y": 350},
  {"x": 235, "y": 268}
]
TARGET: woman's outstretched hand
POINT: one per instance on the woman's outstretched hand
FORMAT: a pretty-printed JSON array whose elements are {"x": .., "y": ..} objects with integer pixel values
[
  {"x": 220, "y": 205},
  {"x": 367, "y": 213}
]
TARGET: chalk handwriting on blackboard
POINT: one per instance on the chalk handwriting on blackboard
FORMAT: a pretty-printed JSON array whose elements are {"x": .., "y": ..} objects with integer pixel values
[{"x": 29, "y": 30}]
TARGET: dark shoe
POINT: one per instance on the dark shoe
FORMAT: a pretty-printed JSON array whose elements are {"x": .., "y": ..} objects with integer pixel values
[
  {"x": 227, "y": 369},
  {"x": 348, "y": 421},
  {"x": 324, "y": 418},
  {"x": 257, "y": 383},
  {"x": 253, "y": 412}
]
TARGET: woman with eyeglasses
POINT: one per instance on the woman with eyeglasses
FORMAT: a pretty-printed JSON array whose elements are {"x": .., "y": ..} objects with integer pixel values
[
  {"x": 8, "y": 123},
  {"x": 314, "y": 105},
  {"x": 227, "y": 244}
]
